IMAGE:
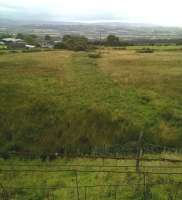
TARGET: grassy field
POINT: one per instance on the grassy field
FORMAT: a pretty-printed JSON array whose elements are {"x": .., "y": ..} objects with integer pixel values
[
  {"x": 57, "y": 98},
  {"x": 49, "y": 99}
]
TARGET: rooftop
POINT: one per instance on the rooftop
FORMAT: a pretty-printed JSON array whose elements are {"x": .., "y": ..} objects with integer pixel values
[{"x": 12, "y": 40}]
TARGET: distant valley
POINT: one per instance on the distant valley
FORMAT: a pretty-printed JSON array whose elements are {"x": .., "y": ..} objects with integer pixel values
[{"x": 125, "y": 31}]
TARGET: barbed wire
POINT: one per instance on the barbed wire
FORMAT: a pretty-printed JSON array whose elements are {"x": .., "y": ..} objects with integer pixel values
[
  {"x": 88, "y": 171},
  {"x": 86, "y": 166},
  {"x": 87, "y": 186}
]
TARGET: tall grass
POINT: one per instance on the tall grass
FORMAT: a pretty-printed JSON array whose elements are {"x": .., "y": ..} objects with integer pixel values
[{"x": 51, "y": 99}]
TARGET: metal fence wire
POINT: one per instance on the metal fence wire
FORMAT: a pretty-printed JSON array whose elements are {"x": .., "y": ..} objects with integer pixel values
[
  {"x": 146, "y": 180},
  {"x": 142, "y": 188}
]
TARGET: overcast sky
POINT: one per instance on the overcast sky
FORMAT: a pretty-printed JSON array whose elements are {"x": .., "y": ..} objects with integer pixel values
[{"x": 162, "y": 12}]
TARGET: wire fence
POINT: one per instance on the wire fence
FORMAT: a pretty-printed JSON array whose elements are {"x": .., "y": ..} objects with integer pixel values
[
  {"x": 142, "y": 188},
  {"x": 145, "y": 177},
  {"x": 113, "y": 192},
  {"x": 145, "y": 181}
]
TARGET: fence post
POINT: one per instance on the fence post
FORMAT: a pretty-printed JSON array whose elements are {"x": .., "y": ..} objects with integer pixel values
[
  {"x": 139, "y": 152},
  {"x": 145, "y": 186},
  {"x": 77, "y": 188},
  {"x": 50, "y": 195},
  {"x": 115, "y": 193},
  {"x": 103, "y": 161},
  {"x": 4, "y": 193},
  {"x": 85, "y": 193}
]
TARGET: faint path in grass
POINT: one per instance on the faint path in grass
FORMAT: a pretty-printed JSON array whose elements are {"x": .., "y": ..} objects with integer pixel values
[
  {"x": 63, "y": 97},
  {"x": 87, "y": 86}
]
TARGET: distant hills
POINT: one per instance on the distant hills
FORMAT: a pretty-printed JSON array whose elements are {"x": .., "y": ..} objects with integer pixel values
[{"x": 127, "y": 31}]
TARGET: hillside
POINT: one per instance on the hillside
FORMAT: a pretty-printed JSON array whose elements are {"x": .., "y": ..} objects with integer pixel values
[{"x": 126, "y": 31}]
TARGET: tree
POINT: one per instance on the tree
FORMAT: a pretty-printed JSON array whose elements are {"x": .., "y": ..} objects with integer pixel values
[
  {"x": 20, "y": 36},
  {"x": 76, "y": 43},
  {"x": 48, "y": 38},
  {"x": 112, "y": 40},
  {"x": 5, "y": 35},
  {"x": 59, "y": 45},
  {"x": 31, "y": 39}
]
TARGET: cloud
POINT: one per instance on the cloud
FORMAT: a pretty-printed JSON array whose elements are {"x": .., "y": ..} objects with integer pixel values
[{"x": 147, "y": 11}]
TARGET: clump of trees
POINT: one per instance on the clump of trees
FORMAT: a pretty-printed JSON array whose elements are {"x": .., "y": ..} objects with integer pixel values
[
  {"x": 73, "y": 42},
  {"x": 81, "y": 43},
  {"x": 5, "y": 35},
  {"x": 29, "y": 38},
  {"x": 112, "y": 40},
  {"x": 48, "y": 38}
]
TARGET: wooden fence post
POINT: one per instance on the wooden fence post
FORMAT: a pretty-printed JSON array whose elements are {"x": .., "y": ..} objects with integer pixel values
[
  {"x": 78, "y": 195},
  {"x": 115, "y": 193},
  {"x": 145, "y": 187},
  {"x": 139, "y": 152},
  {"x": 85, "y": 193}
]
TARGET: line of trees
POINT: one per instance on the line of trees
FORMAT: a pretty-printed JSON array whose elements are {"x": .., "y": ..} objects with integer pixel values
[
  {"x": 82, "y": 43},
  {"x": 73, "y": 42}
]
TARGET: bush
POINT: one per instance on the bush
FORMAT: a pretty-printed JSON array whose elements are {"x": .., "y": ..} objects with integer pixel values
[
  {"x": 94, "y": 55},
  {"x": 145, "y": 50},
  {"x": 13, "y": 51},
  {"x": 31, "y": 50},
  {"x": 75, "y": 43},
  {"x": 113, "y": 40},
  {"x": 2, "y": 52},
  {"x": 60, "y": 45},
  {"x": 119, "y": 48}
]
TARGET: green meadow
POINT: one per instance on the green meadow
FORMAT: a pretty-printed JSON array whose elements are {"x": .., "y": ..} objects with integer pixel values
[
  {"x": 57, "y": 98},
  {"x": 51, "y": 99}
]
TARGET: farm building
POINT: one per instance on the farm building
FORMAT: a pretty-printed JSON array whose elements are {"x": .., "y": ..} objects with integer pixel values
[
  {"x": 14, "y": 43},
  {"x": 27, "y": 46}
]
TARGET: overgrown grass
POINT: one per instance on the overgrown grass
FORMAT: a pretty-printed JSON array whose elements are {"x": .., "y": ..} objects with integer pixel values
[
  {"x": 94, "y": 55},
  {"x": 155, "y": 82},
  {"x": 51, "y": 99}
]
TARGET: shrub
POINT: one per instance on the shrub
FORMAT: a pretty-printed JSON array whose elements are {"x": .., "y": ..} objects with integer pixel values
[
  {"x": 31, "y": 50},
  {"x": 2, "y": 52},
  {"x": 13, "y": 51},
  {"x": 60, "y": 45},
  {"x": 94, "y": 55},
  {"x": 119, "y": 48},
  {"x": 112, "y": 40},
  {"x": 145, "y": 50},
  {"x": 75, "y": 43}
]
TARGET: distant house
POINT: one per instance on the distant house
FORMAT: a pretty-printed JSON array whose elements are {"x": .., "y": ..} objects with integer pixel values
[
  {"x": 14, "y": 43},
  {"x": 27, "y": 46},
  {"x": 57, "y": 41},
  {"x": 46, "y": 45}
]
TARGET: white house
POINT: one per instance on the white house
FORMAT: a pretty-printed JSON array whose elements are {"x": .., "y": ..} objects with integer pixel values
[
  {"x": 27, "y": 46},
  {"x": 14, "y": 43}
]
